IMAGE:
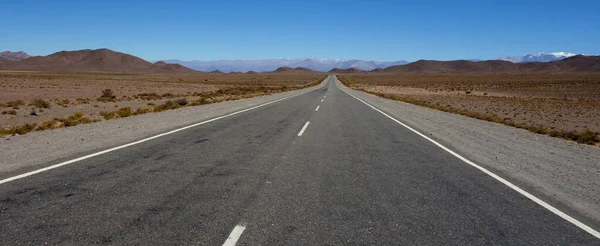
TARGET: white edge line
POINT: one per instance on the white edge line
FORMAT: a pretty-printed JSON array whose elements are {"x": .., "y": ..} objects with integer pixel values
[
  {"x": 303, "y": 129},
  {"x": 493, "y": 175},
  {"x": 20, "y": 176},
  {"x": 317, "y": 109},
  {"x": 235, "y": 235}
]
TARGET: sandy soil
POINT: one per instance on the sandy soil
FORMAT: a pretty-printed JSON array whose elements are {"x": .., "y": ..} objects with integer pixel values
[
  {"x": 68, "y": 93},
  {"x": 557, "y": 102}
]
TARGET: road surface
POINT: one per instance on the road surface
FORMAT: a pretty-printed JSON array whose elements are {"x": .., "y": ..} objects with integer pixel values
[{"x": 320, "y": 168}]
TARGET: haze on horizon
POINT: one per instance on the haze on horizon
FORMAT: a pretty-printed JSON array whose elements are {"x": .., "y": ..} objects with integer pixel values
[{"x": 366, "y": 30}]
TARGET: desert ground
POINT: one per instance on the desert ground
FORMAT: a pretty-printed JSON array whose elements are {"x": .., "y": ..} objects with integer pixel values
[
  {"x": 560, "y": 105},
  {"x": 32, "y": 101}
]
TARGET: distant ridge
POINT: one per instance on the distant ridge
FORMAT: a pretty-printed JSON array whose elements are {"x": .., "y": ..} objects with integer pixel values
[
  {"x": 100, "y": 60},
  {"x": 574, "y": 64},
  {"x": 13, "y": 56},
  {"x": 458, "y": 66},
  {"x": 538, "y": 57},
  {"x": 163, "y": 67},
  {"x": 105, "y": 60},
  {"x": 316, "y": 64},
  {"x": 346, "y": 71},
  {"x": 301, "y": 70}
]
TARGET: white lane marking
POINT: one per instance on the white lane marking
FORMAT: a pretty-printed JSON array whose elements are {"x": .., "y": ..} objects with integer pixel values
[
  {"x": 317, "y": 109},
  {"x": 322, "y": 100},
  {"x": 138, "y": 142},
  {"x": 303, "y": 129},
  {"x": 493, "y": 175},
  {"x": 235, "y": 235}
]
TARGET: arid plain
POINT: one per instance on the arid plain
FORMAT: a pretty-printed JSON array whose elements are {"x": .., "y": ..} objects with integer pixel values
[
  {"x": 32, "y": 101},
  {"x": 560, "y": 105}
]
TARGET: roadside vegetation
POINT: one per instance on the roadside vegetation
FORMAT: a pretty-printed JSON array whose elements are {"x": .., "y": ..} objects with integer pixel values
[
  {"x": 562, "y": 106},
  {"x": 109, "y": 104}
]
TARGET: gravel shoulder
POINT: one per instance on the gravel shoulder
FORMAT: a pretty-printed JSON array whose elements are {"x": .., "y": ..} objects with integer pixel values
[
  {"x": 561, "y": 172},
  {"x": 19, "y": 154}
]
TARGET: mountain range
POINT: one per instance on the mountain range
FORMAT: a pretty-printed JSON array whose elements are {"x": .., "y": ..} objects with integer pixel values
[
  {"x": 538, "y": 57},
  {"x": 105, "y": 60},
  {"x": 7, "y": 56},
  {"x": 324, "y": 65},
  {"x": 100, "y": 60},
  {"x": 317, "y": 64},
  {"x": 573, "y": 64}
]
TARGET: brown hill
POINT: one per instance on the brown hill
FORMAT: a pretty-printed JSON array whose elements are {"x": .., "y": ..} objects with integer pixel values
[
  {"x": 346, "y": 71},
  {"x": 294, "y": 70},
  {"x": 3, "y": 60},
  {"x": 575, "y": 64},
  {"x": 459, "y": 66},
  {"x": 100, "y": 60},
  {"x": 163, "y": 67}
]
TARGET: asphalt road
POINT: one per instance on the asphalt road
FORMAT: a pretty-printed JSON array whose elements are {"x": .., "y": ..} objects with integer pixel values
[{"x": 352, "y": 177}]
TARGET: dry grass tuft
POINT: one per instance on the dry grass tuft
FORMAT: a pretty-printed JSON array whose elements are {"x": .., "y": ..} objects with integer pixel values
[
  {"x": 75, "y": 119},
  {"x": 149, "y": 96},
  {"x": 142, "y": 111},
  {"x": 182, "y": 101},
  {"x": 20, "y": 130},
  {"x": 124, "y": 112},
  {"x": 13, "y": 104},
  {"x": 64, "y": 102}
]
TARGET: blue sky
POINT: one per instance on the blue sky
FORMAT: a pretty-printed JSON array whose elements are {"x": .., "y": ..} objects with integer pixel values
[{"x": 371, "y": 30}]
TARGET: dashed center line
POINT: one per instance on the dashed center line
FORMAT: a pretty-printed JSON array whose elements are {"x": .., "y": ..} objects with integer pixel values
[
  {"x": 235, "y": 235},
  {"x": 303, "y": 129},
  {"x": 322, "y": 100},
  {"x": 317, "y": 109}
]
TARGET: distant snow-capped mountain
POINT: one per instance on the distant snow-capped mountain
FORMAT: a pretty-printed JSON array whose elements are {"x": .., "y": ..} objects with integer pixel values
[
  {"x": 538, "y": 57},
  {"x": 318, "y": 64}
]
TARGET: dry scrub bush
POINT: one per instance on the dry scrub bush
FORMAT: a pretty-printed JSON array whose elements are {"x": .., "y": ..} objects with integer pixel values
[
  {"x": 11, "y": 112},
  {"x": 40, "y": 103},
  {"x": 107, "y": 95}
]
